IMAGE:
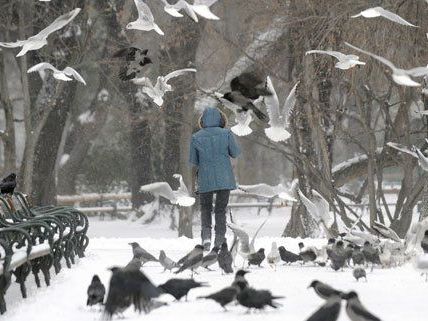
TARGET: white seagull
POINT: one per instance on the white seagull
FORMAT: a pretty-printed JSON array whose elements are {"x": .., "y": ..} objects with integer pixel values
[
  {"x": 67, "y": 74},
  {"x": 400, "y": 76},
  {"x": 40, "y": 40},
  {"x": 269, "y": 191},
  {"x": 381, "y": 12},
  {"x": 273, "y": 257},
  {"x": 180, "y": 197},
  {"x": 278, "y": 117},
  {"x": 415, "y": 152},
  {"x": 345, "y": 61},
  {"x": 420, "y": 263},
  {"x": 199, "y": 7},
  {"x": 145, "y": 21},
  {"x": 157, "y": 91}
]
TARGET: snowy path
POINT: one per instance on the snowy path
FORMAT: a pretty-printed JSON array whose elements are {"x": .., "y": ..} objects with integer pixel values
[{"x": 394, "y": 295}]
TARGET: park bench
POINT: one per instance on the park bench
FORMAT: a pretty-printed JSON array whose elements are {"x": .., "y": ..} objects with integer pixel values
[{"x": 35, "y": 239}]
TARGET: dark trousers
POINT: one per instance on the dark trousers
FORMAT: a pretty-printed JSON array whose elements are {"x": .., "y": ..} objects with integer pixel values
[{"x": 221, "y": 201}]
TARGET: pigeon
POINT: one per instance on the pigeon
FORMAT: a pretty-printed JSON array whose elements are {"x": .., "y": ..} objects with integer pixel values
[
  {"x": 210, "y": 258},
  {"x": 250, "y": 85},
  {"x": 371, "y": 255},
  {"x": 129, "y": 287},
  {"x": 385, "y": 231},
  {"x": 279, "y": 117},
  {"x": 337, "y": 256},
  {"x": 135, "y": 60},
  {"x": 224, "y": 296},
  {"x": 166, "y": 262},
  {"x": 40, "y": 40},
  {"x": 67, "y": 74},
  {"x": 179, "y": 288},
  {"x": 199, "y": 7},
  {"x": 145, "y": 21},
  {"x": 323, "y": 290},
  {"x": 318, "y": 208},
  {"x": 329, "y": 311},
  {"x": 345, "y": 61},
  {"x": 424, "y": 242},
  {"x": 193, "y": 261},
  {"x": 359, "y": 273},
  {"x": 415, "y": 152},
  {"x": 225, "y": 259},
  {"x": 381, "y": 12},
  {"x": 348, "y": 251},
  {"x": 257, "y": 299},
  {"x": 246, "y": 104},
  {"x": 240, "y": 281},
  {"x": 357, "y": 256},
  {"x": 400, "y": 76},
  {"x": 157, "y": 91},
  {"x": 268, "y": 191},
  {"x": 287, "y": 256},
  {"x": 307, "y": 255},
  {"x": 355, "y": 310},
  {"x": 246, "y": 248},
  {"x": 142, "y": 254},
  {"x": 96, "y": 292},
  {"x": 133, "y": 265},
  {"x": 256, "y": 258},
  {"x": 8, "y": 184},
  {"x": 180, "y": 197},
  {"x": 273, "y": 256}
]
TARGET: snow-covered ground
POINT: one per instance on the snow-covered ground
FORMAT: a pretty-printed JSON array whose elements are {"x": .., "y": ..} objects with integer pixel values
[{"x": 394, "y": 294}]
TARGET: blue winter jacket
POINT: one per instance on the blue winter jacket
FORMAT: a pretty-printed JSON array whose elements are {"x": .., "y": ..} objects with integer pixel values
[{"x": 210, "y": 150}]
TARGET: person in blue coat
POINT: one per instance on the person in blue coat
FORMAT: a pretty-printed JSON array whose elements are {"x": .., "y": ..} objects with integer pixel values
[{"x": 210, "y": 151}]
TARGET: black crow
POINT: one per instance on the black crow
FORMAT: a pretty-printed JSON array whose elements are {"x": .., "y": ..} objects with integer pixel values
[
  {"x": 225, "y": 259},
  {"x": 324, "y": 290},
  {"x": 348, "y": 251},
  {"x": 359, "y": 273},
  {"x": 250, "y": 85},
  {"x": 329, "y": 311},
  {"x": 166, "y": 262},
  {"x": 287, "y": 256},
  {"x": 371, "y": 254},
  {"x": 193, "y": 261},
  {"x": 96, "y": 292},
  {"x": 135, "y": 60},
  {"x": 210, "y": 258},
  {"x": 240, "y": 280},
  {"x": 338, "y": 256},
  {"x": 424, "y": 242},
  {"x": 180, "y": 287},
  {"x": 142, "y": 254},
  {"x": 358, "y": 256},
  {"x": 129, "y": 287},
  {"x": 257, "y": 299},
  {"x": 8, "y": 184},
  {"x": 245, "y": 103},
  {"x": 355, "y": 310},
  {"x": 224, "y": 296},
  {"x": 257, "y": 257},
  {"x": 307, "y": 255}
]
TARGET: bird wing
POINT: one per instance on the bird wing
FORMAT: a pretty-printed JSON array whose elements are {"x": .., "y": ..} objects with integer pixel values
[
  {"x": 417, "y": 72},
  {"x": 160, "y": 189},
  {"x": 262, "y": 189},
  {"x": 243, "y": 237},
  {"x": 204, "y": 11},
  {"x": 58, "y": 23},
  {"x": 207, "y": 3},
  {"x": 178, "y": 72},
  {"x": 42, "y": 66},
  {"x": 255, "y": 235},
  {"x": 289, "y": 104},
  {"x": 402, "y": 148},
  {"x": 386, "y": 231},
  {"x": 144, "y": 12},
  {"x": 336, "y": 54},
  {"x": 72, "y": 72},
  {"x": 15, "y": 44},
  {"x": 143, "y": 81},
  {"x": 272, "y": 105},
  {"x": 310, "y": 206},
  {"x": 322, "y": 205},
  {"x": 393, "y": 17},
  {"x": 182, "y": 190},
  {"x": 381, "y": 59}
]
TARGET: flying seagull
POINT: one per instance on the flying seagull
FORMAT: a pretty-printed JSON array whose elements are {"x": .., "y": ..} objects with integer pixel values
[
  {"x": 135, "y": 60},
  {"x": 318, "y": 208},
  {"x": 67, "y": 74},
  {"x": 180, "y": 197},
  {"x": 416, "y": 152},
  {"x": 400, "y": 76},
  {"x": 199, "y": 7},
  {"x": 345, "y": 61},
  {"x": 145, "y": 21},
  {"x": 269, "y": 191},
  {"x": 381, "y": 12},
  {"x": 40, "y": 40},
  {"x": 157, "y": 91},
  {"x": 278, "y": 117}
]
